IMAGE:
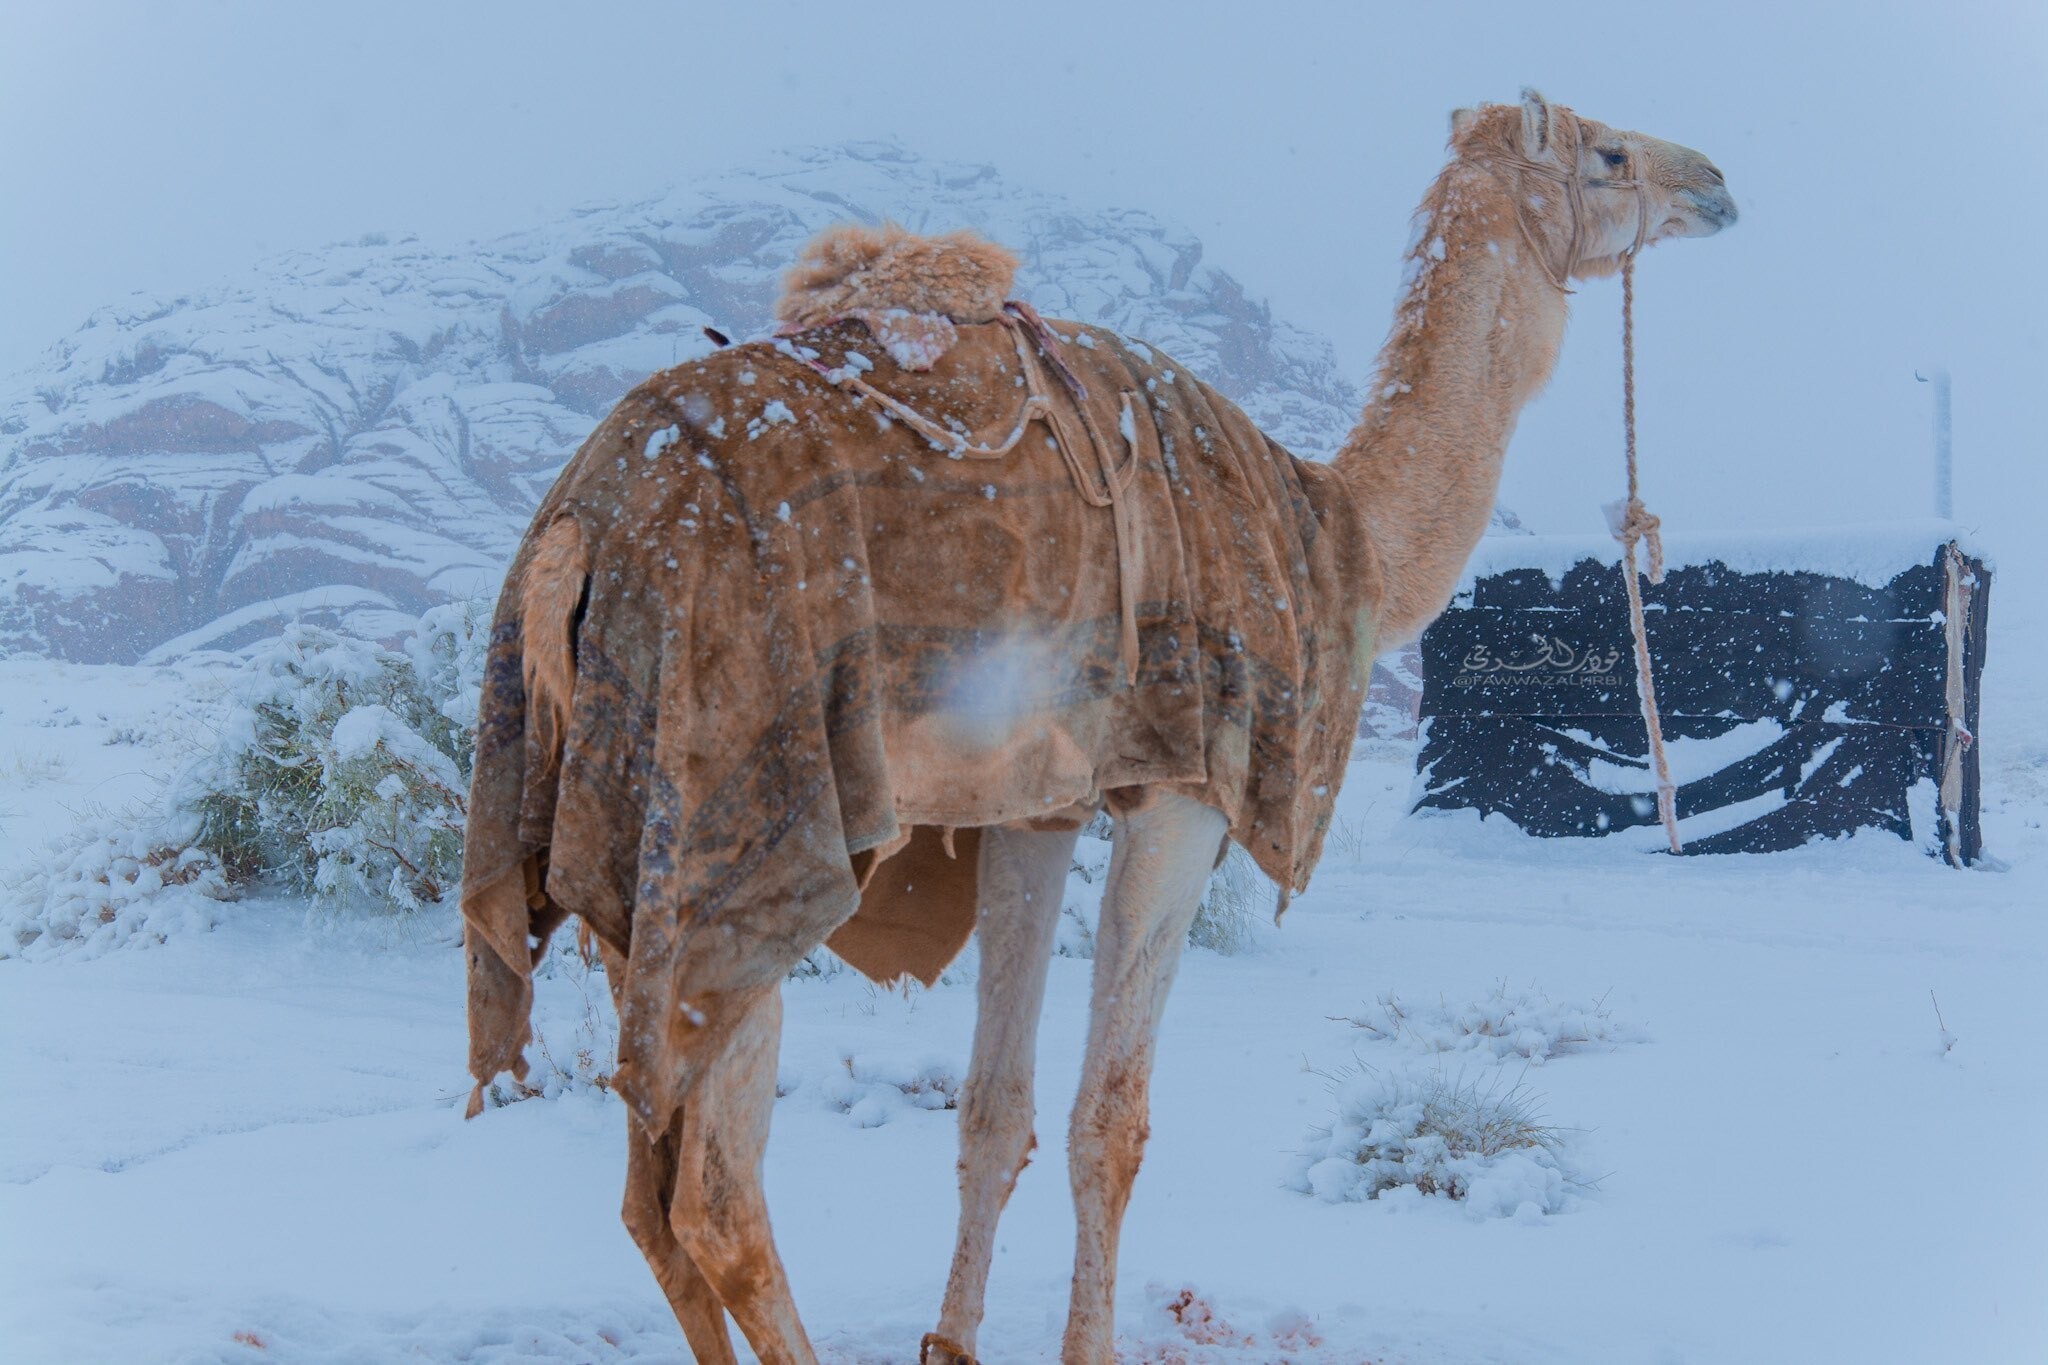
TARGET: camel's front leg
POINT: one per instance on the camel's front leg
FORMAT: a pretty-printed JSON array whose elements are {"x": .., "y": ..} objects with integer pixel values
[
  {"x": 1023, "y": 874},
  {"x": 1162, "y": 859}
]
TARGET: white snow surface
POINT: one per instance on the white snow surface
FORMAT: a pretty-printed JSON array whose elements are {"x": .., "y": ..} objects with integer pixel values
[{"x": 251, "y": 1132}]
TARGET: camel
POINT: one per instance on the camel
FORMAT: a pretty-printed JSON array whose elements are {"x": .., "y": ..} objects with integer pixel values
[{"x": 840, "y": 635}]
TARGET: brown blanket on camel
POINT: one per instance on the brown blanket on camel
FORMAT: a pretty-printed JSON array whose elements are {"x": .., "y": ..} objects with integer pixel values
[{"x": 818, "y": 618}]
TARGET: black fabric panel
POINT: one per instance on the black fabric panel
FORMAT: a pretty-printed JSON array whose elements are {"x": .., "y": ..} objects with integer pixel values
[
  {"x": 1542, "y": 777},
  {"x": 1552, "y": 662},
  {"x": 1529, "y": 700}
]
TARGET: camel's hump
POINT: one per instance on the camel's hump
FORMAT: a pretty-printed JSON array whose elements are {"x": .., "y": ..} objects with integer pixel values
[{"x": 853, "y": 268}]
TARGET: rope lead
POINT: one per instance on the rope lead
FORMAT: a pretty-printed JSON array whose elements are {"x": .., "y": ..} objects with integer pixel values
[{"x": 1633, "y": 523}]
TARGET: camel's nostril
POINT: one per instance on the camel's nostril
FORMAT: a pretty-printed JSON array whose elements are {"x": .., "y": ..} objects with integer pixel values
[
  {"x": 1714, "y": 206},
  {"x": 1714, "y": 172}
]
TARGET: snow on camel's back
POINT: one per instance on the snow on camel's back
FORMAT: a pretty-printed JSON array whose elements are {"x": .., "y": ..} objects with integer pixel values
[{"x": 841, "y": 636}]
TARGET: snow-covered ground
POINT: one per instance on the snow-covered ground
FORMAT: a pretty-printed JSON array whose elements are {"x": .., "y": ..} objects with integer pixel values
[{"x": 245, "y": 1144}]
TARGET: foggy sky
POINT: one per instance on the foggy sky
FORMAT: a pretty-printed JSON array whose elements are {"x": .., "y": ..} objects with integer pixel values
[{"x": 1888, "y": 159}]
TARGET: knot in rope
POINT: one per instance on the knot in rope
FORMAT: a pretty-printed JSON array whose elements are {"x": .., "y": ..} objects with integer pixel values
[{"x": 1634, "y": 524}]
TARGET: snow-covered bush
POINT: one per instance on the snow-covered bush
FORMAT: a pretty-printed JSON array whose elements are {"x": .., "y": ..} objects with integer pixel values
[
  {"x": 1237, "y": 900},
  {"x": 447, "y": 649},
  {"x": 577, "y": 1047},
  {"x": 101, "y": 886},
  {"x": 1081, "y": 902},
  {"x": 340, "y": 768},
  {"x": 1414, "y": 1134},
  {"x": 873, "y": 1090},
  {"x": 575, "y": 1044},
  {"x": 1523, "y": 1023},
  {"x": 343, "y": 767},
  {"x": 819, "y": 964}
]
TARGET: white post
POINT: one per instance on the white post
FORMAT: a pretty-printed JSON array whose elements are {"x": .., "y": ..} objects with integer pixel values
[{"x": 1944, "y": 461}]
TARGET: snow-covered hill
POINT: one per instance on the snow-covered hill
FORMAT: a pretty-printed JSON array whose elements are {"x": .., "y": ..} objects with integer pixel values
[{"x": 352, "y": 434}]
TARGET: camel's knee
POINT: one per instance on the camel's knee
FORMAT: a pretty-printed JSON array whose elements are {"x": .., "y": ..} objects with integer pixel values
[
  {"x": 721, "y": 1221},
  {"x": 1107, "y": 1161},
  {"x": 1009, "y": 1153},
  {"x": 647, "y": 1221},
  {"x": 647, "y": 1228},
  {"x": 1001, "y": 1149},
  {"x": 1111, "y": 1126},
  {"x": 650, "y": 1180},
  {"x": 996, "y": 1117},
  {"x": 738, "y": 1261}
]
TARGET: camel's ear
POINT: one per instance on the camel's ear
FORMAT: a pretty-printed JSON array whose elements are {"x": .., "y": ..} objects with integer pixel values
[
  {"x": 1535, "y": 123},
  {"x": 1461, "y": 119}
]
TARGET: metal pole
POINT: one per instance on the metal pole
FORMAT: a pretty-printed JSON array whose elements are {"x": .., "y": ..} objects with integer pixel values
[{"x": 1944, "y": 459}]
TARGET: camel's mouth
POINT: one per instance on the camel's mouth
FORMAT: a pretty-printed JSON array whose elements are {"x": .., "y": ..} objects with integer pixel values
[{"x": 1709, "y": 212}]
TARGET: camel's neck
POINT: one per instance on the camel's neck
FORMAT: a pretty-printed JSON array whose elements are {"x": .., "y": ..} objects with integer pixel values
[{"x": 1474, "y": 338}]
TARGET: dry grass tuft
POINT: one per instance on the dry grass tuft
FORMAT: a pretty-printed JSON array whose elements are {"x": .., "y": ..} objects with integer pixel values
[{"x": 1425, "y": 1134}]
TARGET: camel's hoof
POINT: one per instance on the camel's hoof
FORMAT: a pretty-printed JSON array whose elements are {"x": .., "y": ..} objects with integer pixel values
[{"x": 936, "y": 1350}]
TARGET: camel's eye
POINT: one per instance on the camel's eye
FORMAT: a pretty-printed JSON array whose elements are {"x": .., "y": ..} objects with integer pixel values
[{"x": 1615, "y": 159}]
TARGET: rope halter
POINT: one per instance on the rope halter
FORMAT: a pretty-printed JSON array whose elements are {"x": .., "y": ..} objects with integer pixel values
[{"x": 1575, "y": 187}]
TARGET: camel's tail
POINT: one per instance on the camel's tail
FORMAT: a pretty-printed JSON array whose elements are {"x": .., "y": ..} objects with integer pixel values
[{"x": 550, "y": 602}]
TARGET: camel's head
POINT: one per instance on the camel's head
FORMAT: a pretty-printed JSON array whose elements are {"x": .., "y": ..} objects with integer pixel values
[{"x": 1620, "y": 183}]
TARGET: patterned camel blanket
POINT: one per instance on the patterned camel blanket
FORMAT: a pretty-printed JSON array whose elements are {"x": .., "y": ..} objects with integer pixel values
[{"x": 817, "y": 639}]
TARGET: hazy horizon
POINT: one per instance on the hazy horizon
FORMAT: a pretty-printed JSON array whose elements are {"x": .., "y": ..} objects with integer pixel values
[{"x": 181, "y": 147}]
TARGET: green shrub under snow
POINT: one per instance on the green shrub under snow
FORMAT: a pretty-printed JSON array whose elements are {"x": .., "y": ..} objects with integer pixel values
[
  {"x": 1409, "y": 1134},
  {"x": 341, "y": 770},
  {"x": 343, "y": 767}
]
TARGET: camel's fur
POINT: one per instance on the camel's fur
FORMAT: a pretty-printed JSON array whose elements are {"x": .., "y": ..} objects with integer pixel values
[
  {"x": 1477, "y": 333},
  {"x": 553, "y": 592},
  {"x": 852, "y": 268},
  {"x": 1393, "y": 519}
]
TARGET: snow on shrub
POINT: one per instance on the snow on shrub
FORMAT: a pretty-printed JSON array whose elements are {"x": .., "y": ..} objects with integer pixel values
[
  {"x": 1081, "y": 902},
  {"x": 448, "y": 650},
  {"x": 1403, "y": 1136},
  {"x": 101, "y": 885},
  {"x": 874, "y": 1090},
  {"x": 819, "y": 964},
  {"x": 1525, "y": 1023},
  {"x": 575, "y": 1044},
  {"x": 343, "y": 767},
  {"x": 1237, "y": 900}
]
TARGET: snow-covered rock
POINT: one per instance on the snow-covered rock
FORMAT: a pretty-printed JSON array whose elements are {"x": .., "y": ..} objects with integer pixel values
[{"x": 350, "y": 435}]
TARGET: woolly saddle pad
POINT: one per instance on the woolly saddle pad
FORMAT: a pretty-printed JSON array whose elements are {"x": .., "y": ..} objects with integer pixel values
[{"x": 811, "y": 643}]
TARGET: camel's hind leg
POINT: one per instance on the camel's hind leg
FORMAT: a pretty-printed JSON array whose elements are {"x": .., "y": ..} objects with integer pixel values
[
  {"x": 650, "y": 1192},
  {"x": 1022, "y": 875},
  {"x": 1163, "y": 857},
  {"x": 719, "y": 1213},
  {"x": 650, "y": 1187}
]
